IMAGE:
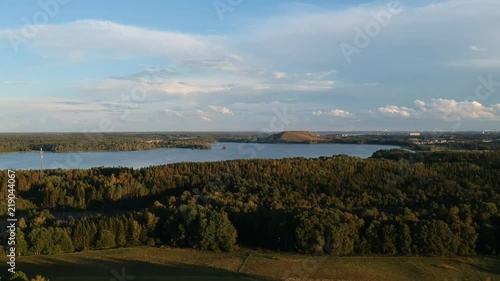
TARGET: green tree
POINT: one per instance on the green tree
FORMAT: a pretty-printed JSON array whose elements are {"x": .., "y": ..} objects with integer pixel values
[
  {"x": 404, "y": 239},
  {"x": 309, "y": 234},
  {"x": 150, "y": 222},
  {"x": 105, "y": 240},
  {"x": 80, "y": 236},
  {"x": 216, "y": 232},
  {"x": 435, "y": 238},
  {"x": 121, "y": 235},
  {"x": 468, "y": 239},
  {"x": 40, "y": 240},
  {"x": 18, "y": 276},
  {"x": 22, "y": 223},
  {"x": 134, "y": 232},
  {"x": 342, "y": 239},
  {"x": 62, "y": 241},
  {"x": 21, "y": 244},
  {"x": 389, "y": 239},
  {"x": 39, "y": 278}
]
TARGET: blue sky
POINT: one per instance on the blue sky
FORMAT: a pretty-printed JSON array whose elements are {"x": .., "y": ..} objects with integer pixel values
[{"x": 71, "y": 65}]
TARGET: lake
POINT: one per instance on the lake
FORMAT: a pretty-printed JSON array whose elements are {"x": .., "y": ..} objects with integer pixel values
[{"x": 144, "y": 158}]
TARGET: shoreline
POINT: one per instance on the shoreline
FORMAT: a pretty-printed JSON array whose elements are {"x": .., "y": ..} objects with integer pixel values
[{"x": 211, "y": 148}]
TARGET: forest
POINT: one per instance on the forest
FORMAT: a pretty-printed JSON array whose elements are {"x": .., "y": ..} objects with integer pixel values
[
  {"x": 78, "y": 142},
  {"x": 396, "y": 203},
  {"x": 424, "y": 141},
  {"x": 95, "y": 141}
]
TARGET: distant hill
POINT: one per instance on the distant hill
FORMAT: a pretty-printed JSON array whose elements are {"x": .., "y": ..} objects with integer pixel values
[{"x": 294, "y": 137}]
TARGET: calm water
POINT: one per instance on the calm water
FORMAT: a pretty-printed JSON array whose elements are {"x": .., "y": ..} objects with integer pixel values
[{"x": 144, "y": 158}]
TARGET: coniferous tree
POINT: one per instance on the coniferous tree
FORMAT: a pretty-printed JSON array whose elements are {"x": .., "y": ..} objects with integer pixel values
[
  {"x": 22, "y": 247},
  {"x": 389, "y": 240},
  {"x": 18, "y": 276},
  {"x": 404, "y": 240},
  {"x": 134, "y": 232},
  {"x": 105, "y": 240},
  {"x": 121, "y": 234},
  {"x": 62, "y": 241}
]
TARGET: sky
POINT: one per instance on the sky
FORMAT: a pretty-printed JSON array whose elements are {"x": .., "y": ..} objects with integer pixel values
[{"x": 241, "y": 65}]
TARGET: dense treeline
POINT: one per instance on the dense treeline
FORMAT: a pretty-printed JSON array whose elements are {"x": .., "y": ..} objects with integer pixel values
[
  {"x": 71, "y": 142},
  {"x": 66, "y": 142},
  {"x": 396, "y": 203},
  {"x": 427, "y": 141}
]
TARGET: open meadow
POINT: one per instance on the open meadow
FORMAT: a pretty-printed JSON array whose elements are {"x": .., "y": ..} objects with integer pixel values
[{"x": 149, "y": 263}]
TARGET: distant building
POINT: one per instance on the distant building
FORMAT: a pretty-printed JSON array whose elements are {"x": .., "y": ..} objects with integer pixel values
[{"x": 414, "y": 134}]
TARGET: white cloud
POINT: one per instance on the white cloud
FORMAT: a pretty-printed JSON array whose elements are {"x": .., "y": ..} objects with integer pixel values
[
  {"x": 53, "y": 105},
  {"x": 290, "y": 55},
  {"x": 232, "y": 64},
  {"x": 202, "y": 116},
  {"x": 221, "y": 109},
  {"x": 17, "y": 83},
  {"x": 148, "y": 75},
  {"x": 209, "y": 83},
  {"x": 419, "y": 103},
  {"x": 313, "y": 36},
  {"x": 279, "y": 75},
  {"x": 476, "y": 63},
  {"x": 311, "y": 86},
  {"x": 183, "y": 88},
  {"x": 155, "y": 85},
  {"x": 396, "y": 111},
  {"x": 83, "y": 36},
  {"x": 334, "y": 113},
  {"x": 477, "y": 48},
  {"x": 321, "y": 75},
  {"x": 172, "y": 112},
  {"x": 198, "y": 114},
  {"x": 51, "y": 114},
  {"x": 443, "y": 109}
]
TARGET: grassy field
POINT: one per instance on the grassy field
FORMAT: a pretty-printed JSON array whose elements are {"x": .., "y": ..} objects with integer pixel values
[{"x": 145, "y": 263}]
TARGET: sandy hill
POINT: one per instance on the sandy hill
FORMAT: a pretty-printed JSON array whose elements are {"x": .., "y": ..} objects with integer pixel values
[{"x": 295, "y": 136}]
